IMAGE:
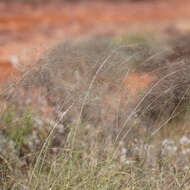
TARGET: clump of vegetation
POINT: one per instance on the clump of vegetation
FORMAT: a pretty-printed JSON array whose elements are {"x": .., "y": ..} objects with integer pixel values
[
  {"x": 170, "y": 92},
  {"x": 95, "y": 136},
  {"x": 17, "y": 132}
]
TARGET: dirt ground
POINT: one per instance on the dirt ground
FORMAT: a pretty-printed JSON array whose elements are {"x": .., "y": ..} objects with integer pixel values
[{"x": 27, "y": 30}]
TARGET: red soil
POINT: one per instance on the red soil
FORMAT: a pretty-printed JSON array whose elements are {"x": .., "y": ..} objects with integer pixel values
[
  {"x": 7, "y": 70},
  {"x": 136, "y": 83}
]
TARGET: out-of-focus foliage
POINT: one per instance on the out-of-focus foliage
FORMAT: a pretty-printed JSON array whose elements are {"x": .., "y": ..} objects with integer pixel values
[{"x": 72, "y": 1}]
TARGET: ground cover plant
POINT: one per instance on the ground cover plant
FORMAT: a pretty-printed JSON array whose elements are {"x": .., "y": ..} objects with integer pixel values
[{"x": 71, "y": 122}]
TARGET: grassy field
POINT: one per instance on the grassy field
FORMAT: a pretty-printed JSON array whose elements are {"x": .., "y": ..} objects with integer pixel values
[{"x": 72, "y": 122}]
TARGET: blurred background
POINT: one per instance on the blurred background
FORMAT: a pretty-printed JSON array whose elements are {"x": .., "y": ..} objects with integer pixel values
[{"x": 28, "y": 27}]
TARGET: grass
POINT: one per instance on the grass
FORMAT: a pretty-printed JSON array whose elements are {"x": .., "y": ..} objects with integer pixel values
[{"x": 96, "y": 136}]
